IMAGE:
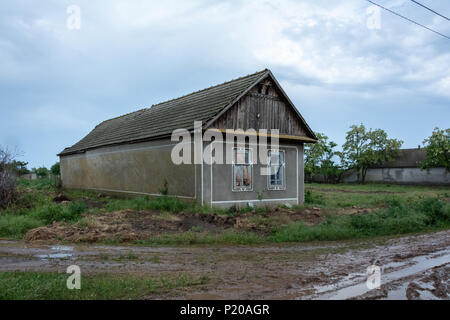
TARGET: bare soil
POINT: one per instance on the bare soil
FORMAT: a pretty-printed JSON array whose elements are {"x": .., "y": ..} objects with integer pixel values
[
  {"x": 129, "y": 225},
  {"x": 412, "y": 267}
]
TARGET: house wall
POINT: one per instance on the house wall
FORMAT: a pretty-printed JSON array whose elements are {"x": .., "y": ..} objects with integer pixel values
[
  {"x": 141, "y": 169},
  {"x": 218, "y": 182},
  {"x": 435, "y": 176},
  {"x": 134, "y": 168}
]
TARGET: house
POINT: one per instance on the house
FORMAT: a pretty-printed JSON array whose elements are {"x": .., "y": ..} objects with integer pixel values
[
  {"x": 404, "y": 169},
  {"x": 133, "y": 154}
]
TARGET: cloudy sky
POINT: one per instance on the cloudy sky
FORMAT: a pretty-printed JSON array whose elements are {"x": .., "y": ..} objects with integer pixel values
[{"x": 339, "y": 64}]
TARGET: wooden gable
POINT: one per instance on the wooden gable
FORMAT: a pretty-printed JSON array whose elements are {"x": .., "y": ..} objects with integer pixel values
[{"x": 265, "y": 107}]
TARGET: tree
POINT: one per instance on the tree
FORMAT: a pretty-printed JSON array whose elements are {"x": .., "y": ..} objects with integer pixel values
[
  {"x": 437, "y": 149},
  {"x": 7, "y": 180},
  {"x": 319, "y": 158},
  {"x": 364, "y": 149},
  {"x": 42, "y": 172},
  {"x": 19, "y": 167},
  {"x": 314, "y": 154},
  {"x": 55, "y": 169}
]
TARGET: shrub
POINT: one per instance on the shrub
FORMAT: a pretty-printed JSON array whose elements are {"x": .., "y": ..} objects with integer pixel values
[
  {"x": 13, "y": 226},
  {"x": 55, "y": 169},
  {"x": 7, "y": 188},
  {"x": 165, "y": 188},
  {"x": 435, "y": 211},
  {"x": 42, "y": 172},
  {"x": 164, "y": 203},
  {"x": 51, "y": 213},
  {"x": 313, "y": 198},
  {"x": 7, "y": 180}
]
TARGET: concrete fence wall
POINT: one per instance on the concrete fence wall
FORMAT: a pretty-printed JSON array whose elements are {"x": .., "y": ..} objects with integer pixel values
[{"x": 434, "y": 176}]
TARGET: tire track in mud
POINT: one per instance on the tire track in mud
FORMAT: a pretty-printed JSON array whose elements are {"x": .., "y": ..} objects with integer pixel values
[{"x": 412, "y": 267}]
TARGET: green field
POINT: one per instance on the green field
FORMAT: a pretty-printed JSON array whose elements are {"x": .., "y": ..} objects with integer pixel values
[
  {"x": 52, "y": 286},
  {"x": 392, "y": 210}
]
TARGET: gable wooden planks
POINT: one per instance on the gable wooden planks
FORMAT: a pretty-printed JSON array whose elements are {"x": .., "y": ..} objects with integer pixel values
[{"x": 262, "y": 111}]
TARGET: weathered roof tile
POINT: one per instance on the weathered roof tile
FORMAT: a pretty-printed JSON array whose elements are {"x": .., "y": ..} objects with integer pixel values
[{"x": 161, "y": 119}]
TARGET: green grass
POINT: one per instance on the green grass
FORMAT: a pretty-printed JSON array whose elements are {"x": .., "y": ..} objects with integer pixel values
[
  {"x": 367, "y": 195},
  {"x": 401, "y": 209},
  {"x": 204, "y": 238},
  {"x": 399, "y": 218},
  {"x": 130, "y": 255},
  {"x": 52, "y": 286}
]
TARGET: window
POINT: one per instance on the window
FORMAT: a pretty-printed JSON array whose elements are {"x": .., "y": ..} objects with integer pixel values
[
  {"x": 242, "y": 169},
  {"x": 277, "y": 174}
]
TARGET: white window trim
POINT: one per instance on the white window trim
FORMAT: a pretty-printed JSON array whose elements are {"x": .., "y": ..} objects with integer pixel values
[
  {"x": 250, "y": 159},
  {"x": 269, "y": 185}
]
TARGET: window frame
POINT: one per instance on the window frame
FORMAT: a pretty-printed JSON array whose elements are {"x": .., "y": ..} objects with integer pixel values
[
  {"x": 269, "y": 184},
  {"x": 234, "y": 188}
]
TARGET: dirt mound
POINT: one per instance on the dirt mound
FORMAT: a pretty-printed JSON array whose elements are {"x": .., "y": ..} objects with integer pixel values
[
  {"x": 129, "y": 225},
  {"x": 124, "y": 226},
  {"x": 92, "y": 232}
]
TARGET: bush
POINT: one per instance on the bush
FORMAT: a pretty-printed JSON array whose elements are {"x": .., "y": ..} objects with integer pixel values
[
  {"x": 7, "y": 188},
  {"x": 55, "y": 169},
  {"x": 13, "y": 226},
  {"x": 51, "y": 213},
  {"x": 42, "y": 172},
  {"x": 435, "y": 211},
  {"x": 313, "y": 198},
  {"x": 399, "y": 218},
  {"x": 163, "y": 203}
]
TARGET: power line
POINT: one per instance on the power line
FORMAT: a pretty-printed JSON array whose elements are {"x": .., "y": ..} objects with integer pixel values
[
  {"x": 421, "y": 25},
  {"x": 424, "y": 6}
]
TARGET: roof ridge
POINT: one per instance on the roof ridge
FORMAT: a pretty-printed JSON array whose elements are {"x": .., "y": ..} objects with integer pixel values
[
  {"x": 184, "y": 96},
  {"x": 136, "y": 124},
  {"x": 210, "y": 87}
]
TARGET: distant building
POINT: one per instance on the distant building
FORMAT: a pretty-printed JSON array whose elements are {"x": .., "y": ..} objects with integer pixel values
[
  {"x": 29, "y": 176},
  {"x": 404, "y": 170}
]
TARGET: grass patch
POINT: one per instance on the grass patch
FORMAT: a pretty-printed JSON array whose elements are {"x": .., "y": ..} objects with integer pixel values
[
  {"x": 130, "y": 255},
  {"x": 399, "y": 218},
  {"x": 52, "y": 286},
  {"x": 146, "y": 203},
  {"x": 204, "y": 238},
  {"x": 403, "y": 209},
  {"x": 15, "y": 226}
]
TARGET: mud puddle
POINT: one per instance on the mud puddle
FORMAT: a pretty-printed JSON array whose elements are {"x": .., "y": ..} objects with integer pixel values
[
  {"x": 419, "y": 265},
  {"x": 412, "y": 267}
]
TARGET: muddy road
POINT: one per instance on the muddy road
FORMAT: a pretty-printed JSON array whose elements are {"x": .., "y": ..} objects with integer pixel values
[{"x": 412, "y": 267}]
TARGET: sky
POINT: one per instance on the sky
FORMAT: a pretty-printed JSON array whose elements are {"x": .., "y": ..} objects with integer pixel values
[{"x": 340, "y": 62}]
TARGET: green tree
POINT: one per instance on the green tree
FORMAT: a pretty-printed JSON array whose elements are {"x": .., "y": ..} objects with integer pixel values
[
  {"x": 314, "y": 154},
  {"x": 366, "y": 148},
  {"x": 55, "y": 169},
  {"x": 19, "y": 167},
  {"x": 319, "y": 158},
  {"x": 438, "y": 149},
  {"x": 42, "y": 172}
]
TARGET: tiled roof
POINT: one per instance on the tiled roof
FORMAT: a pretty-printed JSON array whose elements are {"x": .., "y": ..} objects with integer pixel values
[
  {"x": 407, "y": 158},
  {"x": 161, "y": 119}
]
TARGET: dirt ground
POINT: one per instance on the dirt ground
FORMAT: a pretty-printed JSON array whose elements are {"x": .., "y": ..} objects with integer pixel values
[
  {"x": 129, "y": 225},
  {"x": 412, "y": 267}
]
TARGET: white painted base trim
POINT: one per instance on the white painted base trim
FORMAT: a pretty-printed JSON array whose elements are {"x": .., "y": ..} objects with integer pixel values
[{"x": 263, "y": 200}]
